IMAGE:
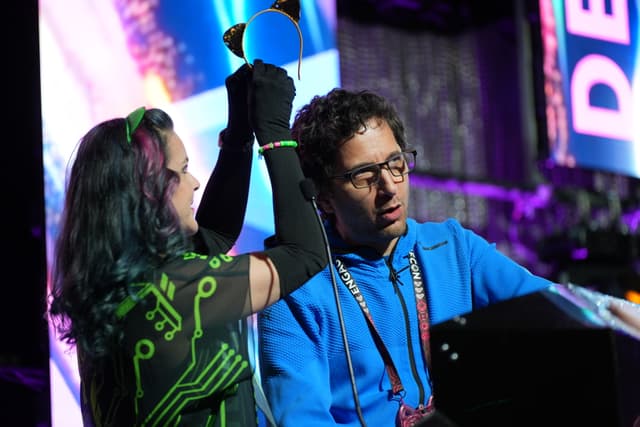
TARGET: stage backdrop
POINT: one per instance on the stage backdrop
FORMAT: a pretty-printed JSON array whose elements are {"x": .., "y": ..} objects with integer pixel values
[
  {"x": 102, "y": 59},
  {"x": 590, "y": 56}
]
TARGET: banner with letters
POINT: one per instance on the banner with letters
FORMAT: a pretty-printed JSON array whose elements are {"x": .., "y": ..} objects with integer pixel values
[{"x": 590, "y": 52}]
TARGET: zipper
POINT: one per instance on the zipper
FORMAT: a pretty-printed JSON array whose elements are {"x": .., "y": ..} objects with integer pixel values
[{"x": 393, "y": 277}]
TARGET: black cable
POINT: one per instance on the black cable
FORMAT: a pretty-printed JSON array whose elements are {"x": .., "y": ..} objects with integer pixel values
[{"x": 309, "y": 192}]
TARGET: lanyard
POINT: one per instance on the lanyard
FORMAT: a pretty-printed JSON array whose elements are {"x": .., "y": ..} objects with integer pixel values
[{"x": 421, "y": 306}]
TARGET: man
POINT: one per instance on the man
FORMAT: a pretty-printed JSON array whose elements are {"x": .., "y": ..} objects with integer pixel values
[{"x": 395, "y": 276}]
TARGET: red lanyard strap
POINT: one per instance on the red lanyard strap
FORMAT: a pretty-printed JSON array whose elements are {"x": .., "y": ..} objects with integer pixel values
[{"x": 421, "y": 305}]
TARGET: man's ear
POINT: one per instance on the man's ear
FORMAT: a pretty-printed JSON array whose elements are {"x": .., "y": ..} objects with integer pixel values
[{"x": 324, "y": 203}]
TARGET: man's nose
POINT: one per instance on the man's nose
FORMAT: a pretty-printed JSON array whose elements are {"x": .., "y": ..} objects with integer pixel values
[{"x": 387, "y": 182}]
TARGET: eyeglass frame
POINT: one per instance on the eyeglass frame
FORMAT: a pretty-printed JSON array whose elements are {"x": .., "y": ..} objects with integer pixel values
[{"x": 348, "y": 175}]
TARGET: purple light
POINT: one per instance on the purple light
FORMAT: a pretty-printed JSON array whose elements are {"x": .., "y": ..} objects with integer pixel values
[
  {"x": 579, "y": 253},
  {"x": 35, "y": 379},
  {"x": 524, "y": 200},
  {"x": 632, "y": 219}
]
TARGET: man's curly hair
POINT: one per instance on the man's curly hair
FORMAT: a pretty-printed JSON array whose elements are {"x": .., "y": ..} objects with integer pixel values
[{"x": 328, "y": 121}]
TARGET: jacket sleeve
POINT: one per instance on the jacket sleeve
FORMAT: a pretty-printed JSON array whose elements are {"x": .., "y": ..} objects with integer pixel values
[
  {"x": 495, "y": 276},
  {"x": 294, "y": 365}
]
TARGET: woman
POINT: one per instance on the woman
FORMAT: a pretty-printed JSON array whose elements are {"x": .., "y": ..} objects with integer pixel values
[{"x": 146, "y": 292}]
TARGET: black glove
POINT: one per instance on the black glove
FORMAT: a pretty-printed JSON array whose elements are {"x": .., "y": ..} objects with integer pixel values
[
  {"x": 238, "y": 133},
  {"x": 270, "y": 102}
]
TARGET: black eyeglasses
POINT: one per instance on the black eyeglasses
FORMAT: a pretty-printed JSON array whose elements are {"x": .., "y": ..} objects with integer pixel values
[{"x": 398, "y": 165}]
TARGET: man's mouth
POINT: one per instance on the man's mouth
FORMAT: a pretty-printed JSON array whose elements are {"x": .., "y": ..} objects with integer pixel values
[{"x": 391, "y": 214}]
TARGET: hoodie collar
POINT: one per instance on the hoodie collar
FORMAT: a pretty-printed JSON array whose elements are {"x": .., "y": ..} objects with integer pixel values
[{"x": 340, "y": 248}]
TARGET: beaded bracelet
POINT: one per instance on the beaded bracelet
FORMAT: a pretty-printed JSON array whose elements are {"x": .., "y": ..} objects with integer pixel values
[{"x": 272, "y": 145}]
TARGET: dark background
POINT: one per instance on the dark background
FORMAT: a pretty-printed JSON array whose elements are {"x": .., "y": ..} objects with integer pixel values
[{"x": 24, "y": 355}]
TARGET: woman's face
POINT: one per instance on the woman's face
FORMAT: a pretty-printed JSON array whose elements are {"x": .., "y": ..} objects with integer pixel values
[{"x": 182, "y": 198}]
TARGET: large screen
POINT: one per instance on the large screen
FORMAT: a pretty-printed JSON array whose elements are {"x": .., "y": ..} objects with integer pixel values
[
  {"x": 590, "y": 62},
  {"x": 102, "y": 59}
]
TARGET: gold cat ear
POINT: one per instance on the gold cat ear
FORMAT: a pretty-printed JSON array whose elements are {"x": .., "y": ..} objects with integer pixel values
[
  {"x": 234, "y": 37},
  {"x": 291, "y": 8}
]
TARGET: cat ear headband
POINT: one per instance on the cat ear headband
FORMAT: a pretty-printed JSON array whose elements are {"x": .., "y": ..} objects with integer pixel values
[{"x": 234, "y": 37}]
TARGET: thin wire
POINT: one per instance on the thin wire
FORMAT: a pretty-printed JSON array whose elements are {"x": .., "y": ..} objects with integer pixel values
[{"x": 345, "y": 341}]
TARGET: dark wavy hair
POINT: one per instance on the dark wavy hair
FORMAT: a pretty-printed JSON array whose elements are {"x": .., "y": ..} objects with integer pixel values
[
  {"x": 118, "y": 224},
  {"x": 328, "y": 121}
]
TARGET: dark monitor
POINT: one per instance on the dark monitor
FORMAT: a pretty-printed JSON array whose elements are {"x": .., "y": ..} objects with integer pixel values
[{"x": 536, "y": 360}]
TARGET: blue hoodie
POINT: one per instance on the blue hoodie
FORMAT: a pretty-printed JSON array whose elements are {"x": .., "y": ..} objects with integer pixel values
[{"x": 302, "y": 359}]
